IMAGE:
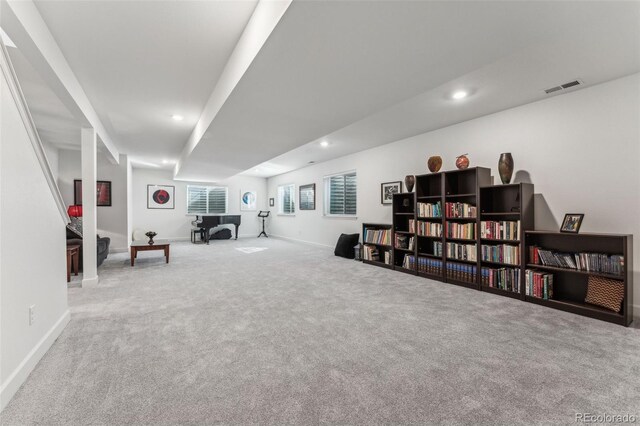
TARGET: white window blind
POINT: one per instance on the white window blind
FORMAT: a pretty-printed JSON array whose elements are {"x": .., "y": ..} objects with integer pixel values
[
  {"x": 340, "y": 194},
  {"x": 286, "y": 199},
  {"x": 206, "y": 200}
]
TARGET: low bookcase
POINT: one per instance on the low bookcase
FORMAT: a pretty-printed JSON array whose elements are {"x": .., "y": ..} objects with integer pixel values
[
  {"x": 379, "y": 237},
  {"x": 570, "y": 285}
]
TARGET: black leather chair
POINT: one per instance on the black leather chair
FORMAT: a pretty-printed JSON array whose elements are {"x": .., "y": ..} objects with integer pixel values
[{"x": 74, "y": 237}]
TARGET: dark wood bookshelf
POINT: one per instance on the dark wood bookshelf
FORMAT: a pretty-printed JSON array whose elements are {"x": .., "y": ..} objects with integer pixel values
[
  {"x": 570, "y": 285},
  {"x": 404, "y": 210},
  {"x": 382, "y": 248},
  {"x": 510, "y": 203}
]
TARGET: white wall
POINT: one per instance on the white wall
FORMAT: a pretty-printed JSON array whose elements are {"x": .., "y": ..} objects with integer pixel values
[
  {"x": 175, "y": 224},
  {"x": 580, "y": 149},
  {"x": 32, "y": 255},
  {"x": 112, "y": 221}
]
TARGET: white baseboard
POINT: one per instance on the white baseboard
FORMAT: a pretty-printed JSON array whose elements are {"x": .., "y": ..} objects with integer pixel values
[
  {"x": 20, "y": 374},
  {"x": 90, "y": 282},
  {"x": 301, "y": 241},
  {"x": 118, "y": 250}
]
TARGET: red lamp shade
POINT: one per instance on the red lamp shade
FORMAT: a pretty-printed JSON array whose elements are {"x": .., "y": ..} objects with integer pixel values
[{"x": 75, "y": 211}]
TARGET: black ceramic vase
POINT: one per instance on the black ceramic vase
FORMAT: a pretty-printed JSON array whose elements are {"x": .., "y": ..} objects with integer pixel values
[
  {"x": 505, "y": 167},
  {"x": 409, "y": 181}
]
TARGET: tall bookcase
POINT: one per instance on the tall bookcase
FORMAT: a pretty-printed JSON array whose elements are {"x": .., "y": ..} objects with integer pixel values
[
  {"x": 404, "y": 205},
  {"x": 570, "y": 285},
  {"x": 462, "y": 257},
  {"x": 510, "y": 207},
  {"x": 429, "y": 253}
]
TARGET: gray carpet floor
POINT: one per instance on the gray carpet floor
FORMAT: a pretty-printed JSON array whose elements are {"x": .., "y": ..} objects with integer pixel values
[{"x": 294, "y": 335}]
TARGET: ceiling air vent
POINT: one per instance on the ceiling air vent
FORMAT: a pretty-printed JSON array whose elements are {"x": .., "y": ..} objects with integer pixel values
[{"x": 564, "y": 86}]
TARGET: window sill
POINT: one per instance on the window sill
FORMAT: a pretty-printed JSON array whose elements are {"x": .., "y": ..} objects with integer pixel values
[
  {"x": 286, "y": 214},
  {"x": 341, "y": 216}
]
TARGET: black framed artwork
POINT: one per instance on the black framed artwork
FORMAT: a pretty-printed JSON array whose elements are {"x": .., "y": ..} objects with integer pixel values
[
  {"x": 387, "y": 190},
  {"x": 308, "y": 196},
  {"x": 103, "y": 193},
  {"x": 161, "y": 197},
  {"x": 572, "y": 222}
]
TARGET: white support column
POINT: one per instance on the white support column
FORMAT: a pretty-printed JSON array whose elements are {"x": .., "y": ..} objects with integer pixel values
[{"x": 89, "y": 211}]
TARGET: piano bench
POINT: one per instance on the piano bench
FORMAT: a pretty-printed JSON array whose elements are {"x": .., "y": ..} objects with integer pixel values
[{"x": 194, "y": 233}]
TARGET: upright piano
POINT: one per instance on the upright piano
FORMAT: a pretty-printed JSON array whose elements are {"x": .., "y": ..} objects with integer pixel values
[{"x": 206, "y": 223}]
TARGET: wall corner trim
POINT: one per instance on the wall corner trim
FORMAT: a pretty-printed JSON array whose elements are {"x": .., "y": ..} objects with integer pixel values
[
  {"x": 16, "y": 92},
  {"x": 9, "y": 388}
]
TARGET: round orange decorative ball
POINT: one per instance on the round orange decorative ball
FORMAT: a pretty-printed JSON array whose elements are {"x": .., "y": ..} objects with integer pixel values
[{"x": 462, "y": 162}]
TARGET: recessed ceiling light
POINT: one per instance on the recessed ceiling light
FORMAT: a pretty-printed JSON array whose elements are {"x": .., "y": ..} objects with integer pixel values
[
  {"x": 257, "y": 170},
  {"x": 460, "y": 94},
  {"x": 177, "y": 117},
  {"x": 165, "y": 161},
  {"x": 324, "y": 144}
]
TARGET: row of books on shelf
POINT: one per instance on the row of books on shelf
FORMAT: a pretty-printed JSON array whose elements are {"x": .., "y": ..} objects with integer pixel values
[
  {"x": 538, "y": 284},
  {"x": 429, "y": 266},
  {"x": 437, "y": 248},
  {"x": 462, "y": 251},
  {"x": 372, "y": 253},
  {"x": 430, "y": 209},
  {"x": 503, "y": 230},
  {"x": 461, "y": 272},
  {"x": 377, "y": 236},
  {"x": 502, "y": 278},
  {"x": 589, "y": 262},
  {"x": 502, "y": 253},
  {"x": 460, "y": 210},
  {"x": 461, "y": 230},
  {"x": 404, "y": 242},
  {"x": 409, "y": 261},
  {"x": 429, "y": 229}
]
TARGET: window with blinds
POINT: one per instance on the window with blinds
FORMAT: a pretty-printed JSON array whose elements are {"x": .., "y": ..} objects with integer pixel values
[
  {"x": 286, "y": 199},
  {"x": 340, "y": 194},
  {"x": 206, "y": 200}
]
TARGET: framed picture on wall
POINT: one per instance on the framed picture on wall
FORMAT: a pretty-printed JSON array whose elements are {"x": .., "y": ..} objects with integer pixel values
[
  {"x": 103, "y": 193},
  {"x": 572, "y": 222},
  {"x": 387, "y": 190},
  {"x": 248, "y": 201},
  {"x": 161, "y": 197},
  {"x": 308, "y": 196}
]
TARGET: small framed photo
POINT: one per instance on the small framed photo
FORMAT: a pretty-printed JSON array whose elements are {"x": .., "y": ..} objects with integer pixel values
[
  {"x": 272, "y": 202},
  {"x": 387, "y": 190},
  {"x": 161, "y": 196},
  {"x": 572, "y": 222}
]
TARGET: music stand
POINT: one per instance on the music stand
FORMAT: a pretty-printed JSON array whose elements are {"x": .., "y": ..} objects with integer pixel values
[{"x": 263, "y": 214}]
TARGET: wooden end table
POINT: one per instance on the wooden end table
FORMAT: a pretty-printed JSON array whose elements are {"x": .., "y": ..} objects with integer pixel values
[
  {"x": 137, "y": 246},
  {"x": 73, "y": 260}
]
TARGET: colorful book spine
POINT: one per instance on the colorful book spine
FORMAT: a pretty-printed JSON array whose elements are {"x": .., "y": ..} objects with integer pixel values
[
  {"x": 465, "y": 231},
  {"x": 538, "y": 284},
  {"x": 462, "y": 251},
  {"x": 460, "y": 210},
  {"x": 431, "y": 210},
  {"x": 504, "y": 230},
  {"x": 377, "y": 236},
  {"x": 503, "y": 253}
]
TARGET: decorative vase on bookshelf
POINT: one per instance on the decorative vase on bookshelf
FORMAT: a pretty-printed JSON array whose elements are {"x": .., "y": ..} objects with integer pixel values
[
  {"x": 462, "y": 161},
  {"x": 505, "y": 167},
  {"x": 434, "y": 163},
  {"x": 409, "y": 181}
]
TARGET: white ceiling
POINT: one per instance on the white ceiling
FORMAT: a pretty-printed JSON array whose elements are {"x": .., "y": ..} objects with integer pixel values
[
  {"x": 357, "y": 74},
  {"x": 140, "y": 62},
  {"x": 364, "y": 74}
]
